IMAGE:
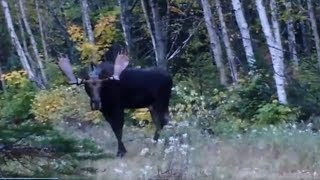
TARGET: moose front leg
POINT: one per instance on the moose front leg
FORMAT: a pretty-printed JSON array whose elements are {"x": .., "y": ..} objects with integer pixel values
[{"x": 116, "y": 121}]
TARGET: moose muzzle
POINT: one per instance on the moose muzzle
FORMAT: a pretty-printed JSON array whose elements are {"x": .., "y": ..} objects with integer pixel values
[{"x": 95, "y": 105}]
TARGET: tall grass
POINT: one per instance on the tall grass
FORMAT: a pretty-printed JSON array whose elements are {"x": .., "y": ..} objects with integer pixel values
[{"x": 184, "y": 152}]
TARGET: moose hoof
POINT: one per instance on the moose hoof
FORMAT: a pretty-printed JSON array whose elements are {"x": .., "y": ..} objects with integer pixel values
[{"x": 121, "y": 153}]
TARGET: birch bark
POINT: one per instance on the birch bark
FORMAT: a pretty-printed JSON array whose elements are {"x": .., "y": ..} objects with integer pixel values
[
  {"x": 33, "y": 42},
  {"x": 245, "y": 32},
  {"x": 291, "y": 36},
  {"x": 43, "y": 41},
  {"x": 227, "y": 44},
  {"x": 125, "y": 22},
  {"x": 275, "y": 47},
  {"x": 214, "y": 41},
  {"x": 314, "y": 28},
  {"x": 15, "y": 40},
  {"x": 86, "y": 19}
]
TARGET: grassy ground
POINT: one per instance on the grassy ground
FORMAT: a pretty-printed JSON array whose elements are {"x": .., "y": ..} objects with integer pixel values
[{"x": 185, "y": 153}]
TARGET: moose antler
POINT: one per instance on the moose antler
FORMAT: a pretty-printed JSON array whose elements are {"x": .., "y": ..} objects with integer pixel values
[
  {"x": 121, "y": 62},
  {"x": 66, "y": 68}
]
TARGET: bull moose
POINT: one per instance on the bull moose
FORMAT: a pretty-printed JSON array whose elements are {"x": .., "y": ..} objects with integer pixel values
[{"x": 113, "y": 87}]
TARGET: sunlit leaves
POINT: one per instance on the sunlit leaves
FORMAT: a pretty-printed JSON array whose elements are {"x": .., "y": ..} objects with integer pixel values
[{"x": 105, "y": 33}]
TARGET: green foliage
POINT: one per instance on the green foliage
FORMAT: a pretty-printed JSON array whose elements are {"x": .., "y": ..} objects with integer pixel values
[
  {"x": 33, "y": 149},
  {"x": 251, "y": 103},
  {"x": 15, "y": 103}
]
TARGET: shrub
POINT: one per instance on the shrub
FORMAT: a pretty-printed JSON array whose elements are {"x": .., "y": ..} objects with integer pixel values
[
  {"x": 15, "y": 104},
  {"x": 64, "y": 103}
]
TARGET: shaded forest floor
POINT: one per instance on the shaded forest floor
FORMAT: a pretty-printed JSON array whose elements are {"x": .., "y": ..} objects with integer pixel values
[{"x": 186, "y": 153}]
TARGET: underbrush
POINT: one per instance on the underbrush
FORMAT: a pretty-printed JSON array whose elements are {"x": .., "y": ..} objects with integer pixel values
[{"x": 184, "y": 152}]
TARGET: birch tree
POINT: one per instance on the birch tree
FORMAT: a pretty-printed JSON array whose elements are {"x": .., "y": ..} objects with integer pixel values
[
  {"x": 273, "y": 39},
  {"x": 24, "y": 41},
  {"x": 291, "y": 35},
  {"x": 125, "y": 23},
  {"x": 43, "y": 41},
  {"x": 15, "y": 40},
  {"x": 314, "y": 28},
  {"x": 33, "y": 42},
  {"x": 245, "y": 32},
  {"x": 157, "y": 29},
  {"x": 227, "y": 44},
  {"x": 215, "y": 44},
  {"x": 86, "y": 19}
]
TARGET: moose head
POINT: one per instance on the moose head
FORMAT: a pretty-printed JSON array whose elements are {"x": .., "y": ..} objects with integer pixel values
[{"x": 94, "y": 80}]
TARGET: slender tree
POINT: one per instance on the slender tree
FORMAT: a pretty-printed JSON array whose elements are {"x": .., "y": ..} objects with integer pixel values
[
  {"x": 15, "y": 40},
  {"x": 86, "y": 19},
  {"x": 314, "y": 28},
  {"x": 245, "y": 32},
  {"x": 227, "y": 44},
  {"x": 33, "y": 42},
  {"x": 291, "y": 35},
  {"x": 43, "y": 41},
  {"x": 273, "y": 39},
  {"x": 215, "y": 44},
  {"x": 125, "y": 22}
]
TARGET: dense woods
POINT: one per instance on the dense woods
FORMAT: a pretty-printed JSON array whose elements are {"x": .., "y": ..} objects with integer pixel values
[{"x": 240, "y": 69}]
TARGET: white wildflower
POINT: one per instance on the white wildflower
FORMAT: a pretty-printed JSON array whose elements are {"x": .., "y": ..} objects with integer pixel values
[
  {"x": 185, "y": 135},
  {"x": 118, "y": 170},
  {"x": 144, "y": 151}
]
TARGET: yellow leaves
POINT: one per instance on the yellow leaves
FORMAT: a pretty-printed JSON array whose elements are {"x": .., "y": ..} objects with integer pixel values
[
  {"x": 63, "y": 103},
  {"x": 141, "y": 114},
  {"x": 104, "y": 34},
  {"x": 15, "y": 78},
  {"x": 76, "y": 33}
]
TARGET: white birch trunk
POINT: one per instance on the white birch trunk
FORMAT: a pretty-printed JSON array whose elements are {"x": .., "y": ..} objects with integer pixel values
[
  {"x": 314, "y": 28},
  {"x": 43, "y": 41},
  {"x": 125, "y": 22},
  {"x": 291, "y": 36},
  {"x": 214, "y": 41},
  {"x": 86, "y": 19},
  {"x": 159, "y": 33},
  {"x": 275, "y": 48},
  {"x": 245, "y": 32},
  {"x": 227, "y": 44},
  {"x": 33, "y": 43},
  {"x": 24, "y": 43},
  {"x": 15, "y": 41}
]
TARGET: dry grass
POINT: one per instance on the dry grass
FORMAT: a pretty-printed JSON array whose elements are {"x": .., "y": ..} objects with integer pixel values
[{"x": 185, "y": 153}]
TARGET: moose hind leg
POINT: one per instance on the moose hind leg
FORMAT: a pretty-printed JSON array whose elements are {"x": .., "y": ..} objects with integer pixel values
[
  {"x": 156, "y": 121},
  {"x": 160, "y": 118}
]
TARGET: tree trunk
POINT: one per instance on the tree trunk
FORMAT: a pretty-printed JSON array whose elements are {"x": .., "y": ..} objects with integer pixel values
[
  {"x": 33, "y": 42},
  {"x": 245, "y": 32},
  {"x": 314, "y": 27},
  {"x": 291, "y": 36},
  {"x": 214, "y": 41},
  {"x": 2, "y": 84},
  {"x": 24, "y": 42},
  {"x": 85, "y": 17},
  {"x": 149, "y": 24},
  {"x": 272, "y": 37},
  {"x": 15, "y": 41},
  {"x": 159, "y": 33},
  {"x": 43, "y": 41},
  {"x": 126, "y": 25},
  {"x": 227, "y": 44}
]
